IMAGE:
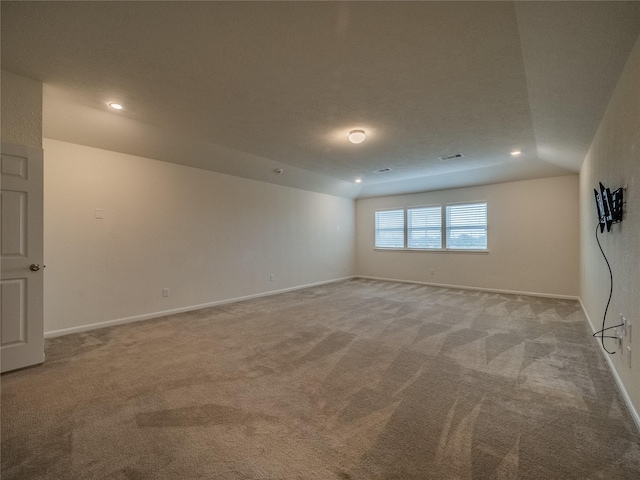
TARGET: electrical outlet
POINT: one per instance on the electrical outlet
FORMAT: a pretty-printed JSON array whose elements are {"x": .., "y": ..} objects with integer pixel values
[
  {"x": 165, "y": 292},
  {"x": 432, "y": 272}
]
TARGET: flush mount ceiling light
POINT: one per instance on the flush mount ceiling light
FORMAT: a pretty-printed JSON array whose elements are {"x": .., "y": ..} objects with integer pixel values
[
  {"x": 357, "y": 136},
  {"x": 116, "y": 106},
  {"x": 515, "y": 153},
  {"x": 358, "y": 180}
]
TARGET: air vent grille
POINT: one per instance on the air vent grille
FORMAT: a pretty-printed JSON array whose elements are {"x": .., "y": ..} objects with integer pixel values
[
  {"x": 382, "y": 170},
  {"x": 452, "y": 157}
]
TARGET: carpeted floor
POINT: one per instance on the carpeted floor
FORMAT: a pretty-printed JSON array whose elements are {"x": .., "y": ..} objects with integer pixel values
[{"x": 354, "y": 380}]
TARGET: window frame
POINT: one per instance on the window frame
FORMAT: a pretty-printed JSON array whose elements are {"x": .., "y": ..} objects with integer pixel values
[
  {"x": 446, "y": 225},
  {"x": 406, "y": 228},
  {"x": 444, "y": 248}
]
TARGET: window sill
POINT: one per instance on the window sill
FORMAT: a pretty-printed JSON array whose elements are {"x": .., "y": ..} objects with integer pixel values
[{"x": 429, "y": 250}]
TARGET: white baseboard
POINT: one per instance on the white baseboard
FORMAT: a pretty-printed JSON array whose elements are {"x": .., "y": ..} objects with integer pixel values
[
  {"x": 84, "y": 328},
  {"x": 464, "y": 287},
  {"x": 619, "y": 383},
  {"x": 164, "y": 313}
]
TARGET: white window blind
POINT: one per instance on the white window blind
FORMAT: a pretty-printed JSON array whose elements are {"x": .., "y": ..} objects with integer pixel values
[
  {"x": 467, "y": 226},
  {"x": 424, "y": 227},
  {"x": 389, "y": 229}
]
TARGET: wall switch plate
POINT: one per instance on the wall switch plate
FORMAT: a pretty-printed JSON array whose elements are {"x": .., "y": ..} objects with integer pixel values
[
  {"x": 99, "y": 213},
  {"x": 165, "y": 292},
  {"x": 629, "y": 356},
  {"x": 272, "y": 277}
]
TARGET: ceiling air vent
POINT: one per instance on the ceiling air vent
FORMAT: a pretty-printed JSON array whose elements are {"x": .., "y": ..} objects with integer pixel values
[
  {"x": 451, "y": 157},
  {"x": 382, "y": 170}
]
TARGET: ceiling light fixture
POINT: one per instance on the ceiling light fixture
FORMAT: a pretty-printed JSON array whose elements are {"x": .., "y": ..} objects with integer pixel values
[
  {"x": 358, "y": 180},
  {"x": 515, "y": 153},
  {"x": 357, "y": 136},
  {"x": 116, "y": 106}
]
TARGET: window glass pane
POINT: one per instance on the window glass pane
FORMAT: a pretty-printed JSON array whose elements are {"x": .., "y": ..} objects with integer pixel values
[
  {"x": 390, "y": 229},
  {"x": 467, "y": 226},
  {"x": 424, "y": 227}
]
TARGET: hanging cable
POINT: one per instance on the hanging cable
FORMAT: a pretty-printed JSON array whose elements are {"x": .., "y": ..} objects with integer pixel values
[{"x": 604, "y": 317}]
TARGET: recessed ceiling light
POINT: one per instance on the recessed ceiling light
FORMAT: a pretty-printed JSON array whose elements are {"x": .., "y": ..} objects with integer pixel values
[
  {"x": 116, "y": 106},
  {"x": 357, "y": 136},
  {"x": 515, "y": 153},
  {"x": 358, "y": 180}
]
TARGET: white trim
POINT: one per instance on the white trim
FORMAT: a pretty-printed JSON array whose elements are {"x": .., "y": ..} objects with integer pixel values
[
  {"x": 482, "y": 289},
  {"x": 444, "y": 227},
  {"x": 164, "y": 313},
  {"x": 623, "y": 391},
  {"x": 430, "y": 250}
]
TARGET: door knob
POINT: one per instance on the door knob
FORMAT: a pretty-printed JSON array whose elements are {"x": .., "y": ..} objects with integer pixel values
[{"x": 34, "y": 267}]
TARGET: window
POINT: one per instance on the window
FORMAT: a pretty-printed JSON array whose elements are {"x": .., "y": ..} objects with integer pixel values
[
  {"x": 467, "y": 227},
  {"x": 422, "y": 228},
  {"x": 390, "y": 229}
]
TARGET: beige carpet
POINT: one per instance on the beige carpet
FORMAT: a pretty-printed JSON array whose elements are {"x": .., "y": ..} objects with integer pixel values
[{"x": 354, "y": 380}]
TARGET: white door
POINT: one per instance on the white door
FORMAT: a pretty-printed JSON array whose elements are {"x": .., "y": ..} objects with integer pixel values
[{"x": 21, "y": 238}]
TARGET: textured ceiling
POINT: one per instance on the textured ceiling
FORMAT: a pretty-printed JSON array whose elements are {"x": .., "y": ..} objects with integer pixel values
[{"x": 247, "y": 87}]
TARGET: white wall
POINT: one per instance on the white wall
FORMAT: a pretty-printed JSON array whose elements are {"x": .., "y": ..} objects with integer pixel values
[
  {"x": 614, "y": 160},
  {"x": 532, "y": 239},
  {"x": 21, "y": 112},
  {"x": 206, "y": 236}
]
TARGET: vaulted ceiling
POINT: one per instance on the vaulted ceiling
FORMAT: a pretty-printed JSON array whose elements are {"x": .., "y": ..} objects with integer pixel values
[{"x": 246, "y": 88}]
